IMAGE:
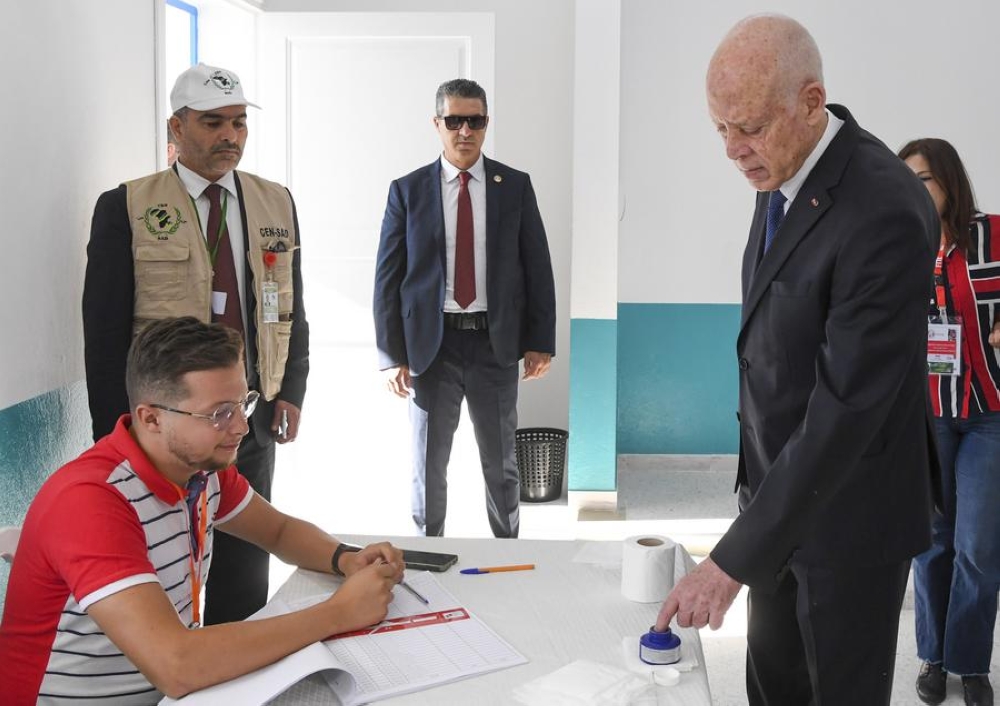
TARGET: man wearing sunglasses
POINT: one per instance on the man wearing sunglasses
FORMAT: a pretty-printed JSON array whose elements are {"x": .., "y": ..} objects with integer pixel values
[
  {"x": 463, "y": 290},
  {"x": 203, "y": 239},
  {"x": 103, "y": 603}
]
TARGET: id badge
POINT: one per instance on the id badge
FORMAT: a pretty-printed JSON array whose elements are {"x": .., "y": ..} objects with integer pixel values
[
  {"x": 944, "y": 345},
  {"x": 219, "y": 303},
  {"x": 269, "y": 301}
]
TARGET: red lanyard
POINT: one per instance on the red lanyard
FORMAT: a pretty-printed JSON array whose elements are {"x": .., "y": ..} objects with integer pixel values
[
  {"x": 942, "y": 302},
  {"x": 195, "y": 568}
]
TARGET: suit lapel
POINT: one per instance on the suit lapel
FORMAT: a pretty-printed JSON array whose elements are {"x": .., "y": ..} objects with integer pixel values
[
  {"x": 433, "y": 187},
  {"x": 751, "y": 256},
  {"x": 812, "y": 201},
  {"x": 494, "y": 183}
]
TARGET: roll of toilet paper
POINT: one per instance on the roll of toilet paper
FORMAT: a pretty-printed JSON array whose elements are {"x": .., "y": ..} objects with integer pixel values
[{"x": 647, "y": 568}]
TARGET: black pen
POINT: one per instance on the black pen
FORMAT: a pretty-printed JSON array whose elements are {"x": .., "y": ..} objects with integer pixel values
[
  {"x": 412, "y": 590},
  {"x": 408, "y": 587}
]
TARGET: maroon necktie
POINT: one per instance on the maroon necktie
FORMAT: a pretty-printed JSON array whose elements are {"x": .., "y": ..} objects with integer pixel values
[
  {"x": 223, "y": 267},
  {"x": 465, "y": 254}
]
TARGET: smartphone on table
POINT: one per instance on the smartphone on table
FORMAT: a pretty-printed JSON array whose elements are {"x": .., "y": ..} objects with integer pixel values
[{"x": 428, "y": 561}]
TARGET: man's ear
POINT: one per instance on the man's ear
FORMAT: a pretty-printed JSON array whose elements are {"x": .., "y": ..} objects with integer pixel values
[
  {"x": 814, "y": 97},
  {"x": 146, "y": 417},
  {"x": 176, "y": 126}
]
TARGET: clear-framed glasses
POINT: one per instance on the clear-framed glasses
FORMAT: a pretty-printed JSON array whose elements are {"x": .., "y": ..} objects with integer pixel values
[
  {"x": 222, "y": 417},
  {"x": 454, "y": 122}
]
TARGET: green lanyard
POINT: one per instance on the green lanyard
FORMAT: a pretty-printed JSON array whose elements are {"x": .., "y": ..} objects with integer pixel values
[{"x": 222, "y": 224}]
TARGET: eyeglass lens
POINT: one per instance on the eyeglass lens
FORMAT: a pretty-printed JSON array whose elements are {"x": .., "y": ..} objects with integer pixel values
[
  {"x": 223, "y": 416},
  {"x": 454, "y": 122}
]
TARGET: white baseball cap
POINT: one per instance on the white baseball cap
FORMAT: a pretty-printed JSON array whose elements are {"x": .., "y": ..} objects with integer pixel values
[{"x": 204, "y": 87}]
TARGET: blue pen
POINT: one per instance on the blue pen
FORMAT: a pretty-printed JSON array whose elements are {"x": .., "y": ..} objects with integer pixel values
[{"x": 496, "y": 569}]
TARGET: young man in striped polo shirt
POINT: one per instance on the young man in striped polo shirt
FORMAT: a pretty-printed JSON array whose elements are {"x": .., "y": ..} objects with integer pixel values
[{"x": 103, "y": 601}]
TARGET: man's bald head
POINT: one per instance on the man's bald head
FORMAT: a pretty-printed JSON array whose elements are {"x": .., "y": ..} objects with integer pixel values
[
  {"x": 773, "y": 48},
  {"x": 766, "y": 96}
]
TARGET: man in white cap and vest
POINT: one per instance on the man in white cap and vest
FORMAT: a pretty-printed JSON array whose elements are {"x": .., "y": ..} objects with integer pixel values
[{"x": 201, "y": 239}]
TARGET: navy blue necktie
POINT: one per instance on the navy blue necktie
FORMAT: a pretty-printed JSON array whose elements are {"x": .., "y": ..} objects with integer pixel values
[
  {"x": 195, "y": 485},
  {"x": 775, "y": 214}
]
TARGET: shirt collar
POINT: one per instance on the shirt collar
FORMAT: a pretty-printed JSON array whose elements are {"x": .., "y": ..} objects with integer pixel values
[
  {"x": 195, "y": 183},
  {"x": 450, "y": 171},
  {"x": 125, "y": 444},
  {"x": 791, "y": 187}
]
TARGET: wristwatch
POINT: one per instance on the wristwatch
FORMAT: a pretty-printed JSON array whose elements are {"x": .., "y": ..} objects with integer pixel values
[{"x": 335, "y": 559}]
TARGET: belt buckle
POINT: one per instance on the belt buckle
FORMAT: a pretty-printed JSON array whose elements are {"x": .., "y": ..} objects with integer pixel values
[{"x": 467, "y": 320}]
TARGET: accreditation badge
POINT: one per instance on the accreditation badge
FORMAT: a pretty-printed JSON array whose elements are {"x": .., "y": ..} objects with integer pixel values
[
  {"x": 269, "y": 290},
  {"x": 269, "y": 301},
  {"x": 944, "y": 345}
]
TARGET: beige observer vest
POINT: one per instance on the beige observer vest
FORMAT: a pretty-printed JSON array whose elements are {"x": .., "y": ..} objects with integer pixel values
[{"x": 173, "y": 270}]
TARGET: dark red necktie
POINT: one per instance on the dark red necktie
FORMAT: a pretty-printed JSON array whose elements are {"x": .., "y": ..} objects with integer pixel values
[
  {"x": 465, "y": 254},
  {"x": 223, "y": 267}
]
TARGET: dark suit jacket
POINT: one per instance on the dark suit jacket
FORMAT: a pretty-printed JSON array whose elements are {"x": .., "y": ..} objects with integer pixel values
[
  {"x": 108, "y": 295},
  {"x": 837, "y": 456},
  {"x": 410, "y": 270}
]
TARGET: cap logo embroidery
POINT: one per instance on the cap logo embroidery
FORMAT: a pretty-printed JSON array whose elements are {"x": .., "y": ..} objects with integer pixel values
[
  {"x": 161, "y": 222},
  {"x": 224, "y": 81}
]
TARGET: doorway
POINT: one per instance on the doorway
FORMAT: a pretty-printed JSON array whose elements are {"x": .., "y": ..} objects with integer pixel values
[{"x": 347, "y": 104}]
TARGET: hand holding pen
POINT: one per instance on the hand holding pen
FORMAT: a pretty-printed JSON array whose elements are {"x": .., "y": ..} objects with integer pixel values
[
  {"x": 379, "y": 553},
  {"x": 412, "y": 591}
]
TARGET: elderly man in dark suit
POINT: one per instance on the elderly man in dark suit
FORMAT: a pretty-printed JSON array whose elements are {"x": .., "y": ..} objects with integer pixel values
[
  {"x": 837, "y": 456},
  {"x": 463, "y": 290}
]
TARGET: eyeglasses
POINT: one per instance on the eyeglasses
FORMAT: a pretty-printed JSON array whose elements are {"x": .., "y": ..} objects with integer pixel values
[
  {"x": 222, "y": 417},
  {"x": 475, "y": 122}
]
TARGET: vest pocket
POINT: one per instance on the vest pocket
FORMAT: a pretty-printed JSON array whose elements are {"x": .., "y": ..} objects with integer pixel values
[
  {"x": 273, "y": 356},
  {"x": 161, "y": 271}
]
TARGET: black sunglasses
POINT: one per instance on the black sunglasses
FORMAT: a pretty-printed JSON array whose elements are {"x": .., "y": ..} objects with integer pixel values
[{"x": 454, "y": 122}]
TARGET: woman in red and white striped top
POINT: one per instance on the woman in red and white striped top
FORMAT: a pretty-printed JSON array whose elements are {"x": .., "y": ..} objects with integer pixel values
[{"x": 956, "y": 580}]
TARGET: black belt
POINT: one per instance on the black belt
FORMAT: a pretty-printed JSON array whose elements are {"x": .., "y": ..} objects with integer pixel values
[{"x": 467, "y": 321}]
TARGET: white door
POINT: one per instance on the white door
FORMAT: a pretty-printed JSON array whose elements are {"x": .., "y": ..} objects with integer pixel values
[{"x": 347, "y": 104}]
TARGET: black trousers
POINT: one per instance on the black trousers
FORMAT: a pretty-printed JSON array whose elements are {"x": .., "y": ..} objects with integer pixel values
[
  {"x": 237, "y": 581},
  {"x": 465, "y": 367},
  {"x": 827, "y": 637}
]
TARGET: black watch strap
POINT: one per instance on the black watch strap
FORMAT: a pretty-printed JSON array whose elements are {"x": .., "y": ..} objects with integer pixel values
[{"x": 335, "y": 559}]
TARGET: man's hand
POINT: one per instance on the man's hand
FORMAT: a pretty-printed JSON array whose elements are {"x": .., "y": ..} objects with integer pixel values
[
  {"x": 995, "y": 335},
  {"x": 536, "y": 365},
  {"x": 364, "y": 598},
  {"x": 399, "y": 381},
  {"x": 701, "y": 598},
  {"x": 380, "y": 553},
  {"x": 282, "y": 408}
]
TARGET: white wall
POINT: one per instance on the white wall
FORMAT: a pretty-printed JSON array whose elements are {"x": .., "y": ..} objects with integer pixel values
[
  {"x": 905, "y": 69},
  {"x": 227, "y": 37},
  {"x": 78, "y": 118},
  {"x": 596, "y": 130},
  {"x": 533, "y": 132}
]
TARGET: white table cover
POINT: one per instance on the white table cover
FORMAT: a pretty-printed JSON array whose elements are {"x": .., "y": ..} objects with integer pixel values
[{"x": 561, "y": 611}]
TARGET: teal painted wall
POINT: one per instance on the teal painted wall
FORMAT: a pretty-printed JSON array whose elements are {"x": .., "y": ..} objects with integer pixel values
[
  {"x": 592, "y": 392},
  {"x": 36, "y": 438},
  {"x": 677, "y": 378}
]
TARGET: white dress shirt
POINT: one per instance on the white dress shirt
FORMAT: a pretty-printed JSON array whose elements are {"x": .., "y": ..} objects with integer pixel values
[
  {"x": 791, "y": 187},
  {"x": 195, "y": 185},
  {"x": 450, "y": 184}
]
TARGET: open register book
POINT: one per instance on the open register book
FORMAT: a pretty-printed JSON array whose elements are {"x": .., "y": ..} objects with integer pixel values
[{"x": 417, "y": 646}]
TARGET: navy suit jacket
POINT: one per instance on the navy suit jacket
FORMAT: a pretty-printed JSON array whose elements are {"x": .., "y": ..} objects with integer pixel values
[
  {"x": 410, "y": 270},
  {"x": 837, "y": 457}
]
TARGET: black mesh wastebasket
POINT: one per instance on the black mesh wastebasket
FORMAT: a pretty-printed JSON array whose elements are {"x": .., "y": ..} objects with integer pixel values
[{"x": 541, "y": 460}]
